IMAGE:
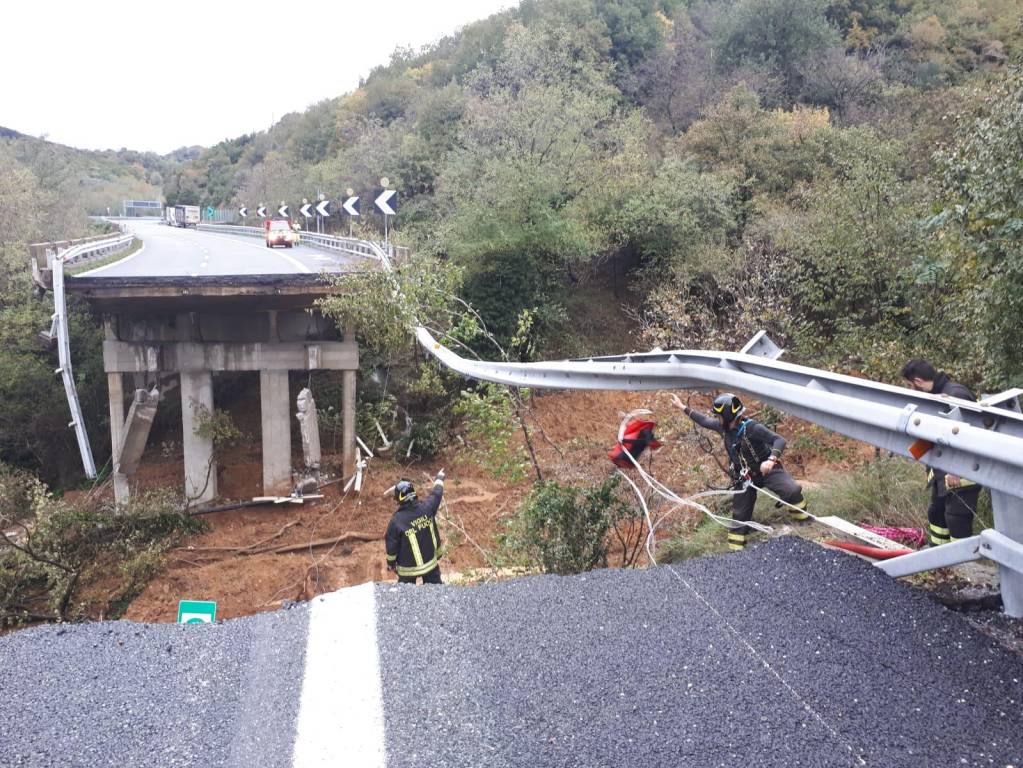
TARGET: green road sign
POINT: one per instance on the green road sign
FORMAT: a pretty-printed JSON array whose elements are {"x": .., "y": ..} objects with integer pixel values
[
  {"x": 197, "y": 612},
  {"x": 209, "y": 211}
]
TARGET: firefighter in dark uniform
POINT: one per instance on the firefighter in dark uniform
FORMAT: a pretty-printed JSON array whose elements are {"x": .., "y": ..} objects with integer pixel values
[
  {"x": 953, "y": 498},
  {"x": 413, "y": 540},
  {"x": 754, "y": 453}
]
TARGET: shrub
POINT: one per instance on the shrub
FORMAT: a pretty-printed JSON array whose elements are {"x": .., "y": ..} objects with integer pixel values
[
  {"x": 564, "y": 529},
  {"x": 50, "y": 549}
]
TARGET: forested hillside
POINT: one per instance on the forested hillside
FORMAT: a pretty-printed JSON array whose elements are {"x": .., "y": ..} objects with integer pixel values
[{"x": 800, "y": 165}]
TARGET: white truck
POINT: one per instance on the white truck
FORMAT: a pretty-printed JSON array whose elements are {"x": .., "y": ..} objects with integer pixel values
[{"x": 186, "y": 215}]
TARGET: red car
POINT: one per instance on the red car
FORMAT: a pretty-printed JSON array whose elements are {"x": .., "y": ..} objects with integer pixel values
[{"x": 279, "y": 232}]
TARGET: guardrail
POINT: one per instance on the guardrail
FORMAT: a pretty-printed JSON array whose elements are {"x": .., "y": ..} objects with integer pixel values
[
  {"x": 383, "y": 252},
  {"x": 43, "y": 254},
  {"x": 48, "y": 260},
  {"x": 979, "y": 441}
]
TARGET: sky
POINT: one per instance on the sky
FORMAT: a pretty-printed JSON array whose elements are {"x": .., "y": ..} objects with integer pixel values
[{"x": 104, "y": 74}]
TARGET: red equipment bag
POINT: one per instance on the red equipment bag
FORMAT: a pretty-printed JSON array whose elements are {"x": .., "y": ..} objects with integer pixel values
[{"x": 634, "y": 436}]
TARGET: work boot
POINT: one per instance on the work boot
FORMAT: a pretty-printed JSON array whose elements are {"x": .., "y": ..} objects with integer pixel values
[
  {"x": 799, "y": 515},
  {"x": 737, "y": 541}
]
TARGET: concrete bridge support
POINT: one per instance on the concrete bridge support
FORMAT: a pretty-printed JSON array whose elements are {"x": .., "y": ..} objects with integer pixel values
[
  {"x": 196, "y": 345},
  {"x": 275, "y": 408},
  {"x": 115, "y": 386},
  {"x": 200, "y": 462}
]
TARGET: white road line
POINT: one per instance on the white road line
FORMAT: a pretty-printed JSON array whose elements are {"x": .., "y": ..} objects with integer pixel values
[
  {"x": 341, "y": 715},
  {"x": 117, "y": 263},
  {"x": 236, "y": 239}
]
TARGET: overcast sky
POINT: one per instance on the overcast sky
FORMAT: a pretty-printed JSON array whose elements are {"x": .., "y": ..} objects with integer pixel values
[{"x": 160, "y": 75}]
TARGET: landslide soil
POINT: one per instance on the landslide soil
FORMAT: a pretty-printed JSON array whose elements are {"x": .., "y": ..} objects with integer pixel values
[{"x": 255, "y": 559}]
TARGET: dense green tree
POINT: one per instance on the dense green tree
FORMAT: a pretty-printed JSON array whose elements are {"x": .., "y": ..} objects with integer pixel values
[
  {"x": 775, "y": 34},
  {"x": 981, "y": 176}
]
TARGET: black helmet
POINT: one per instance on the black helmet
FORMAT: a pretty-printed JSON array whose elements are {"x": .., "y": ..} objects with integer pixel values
[
  {"x": 404, "y": 491},
  {"x": 728, "y": 405}
]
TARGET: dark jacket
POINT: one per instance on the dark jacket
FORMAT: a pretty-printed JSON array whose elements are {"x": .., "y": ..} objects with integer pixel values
[
  {"x": 413, "y": 539},
  {"x": 747, "y": 442},
  {"x": 943, "y": 385}
]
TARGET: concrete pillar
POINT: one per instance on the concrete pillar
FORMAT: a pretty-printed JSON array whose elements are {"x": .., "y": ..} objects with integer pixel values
[
  {"x": 348, "y": 422},
  {"x": 200, "y": 465},
  {"x": 115, "y": 388},
  {"x": 275, "y": 407}
]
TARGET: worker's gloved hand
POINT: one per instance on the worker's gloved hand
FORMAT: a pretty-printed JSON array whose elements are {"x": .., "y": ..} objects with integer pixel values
[
  {"x": 439, "y": 480},
  {"x": 392, "y": 567}
]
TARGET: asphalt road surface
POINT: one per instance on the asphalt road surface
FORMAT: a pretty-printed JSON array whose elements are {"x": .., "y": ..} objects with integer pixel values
[
  {"x": 176, "y": 252},
  {"x": 783, "y": 655}
]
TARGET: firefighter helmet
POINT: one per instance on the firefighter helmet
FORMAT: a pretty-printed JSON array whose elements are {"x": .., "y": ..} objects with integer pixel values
[
  {"x": 728, "y": 406},
  {"x": 404, "y": 491}
]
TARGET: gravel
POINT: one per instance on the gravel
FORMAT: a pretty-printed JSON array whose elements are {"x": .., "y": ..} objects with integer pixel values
[
  {"x": 783, "y": 655},
  {"x": 126, "y": 694}
]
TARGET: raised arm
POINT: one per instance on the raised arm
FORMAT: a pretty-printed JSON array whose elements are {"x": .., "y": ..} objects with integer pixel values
[{"x": 705, "y": 421}]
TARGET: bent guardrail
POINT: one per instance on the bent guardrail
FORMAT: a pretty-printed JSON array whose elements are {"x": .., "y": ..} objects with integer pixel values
[
  {"x": 48, "y": 260},
  {"x": 980, "y": 441}
]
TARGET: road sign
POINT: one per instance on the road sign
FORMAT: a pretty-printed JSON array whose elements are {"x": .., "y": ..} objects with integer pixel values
[
  {"x": 209, "y": 212},
  {"x": 243, "y": 211},
  {"x": 283, "y": 211},
  {"x": 351, "y": 205},
  {"x": 304, "y": 210},
  {"x": 387, "y": 202},
  {"x": 261, "y": 211},
  {"x": 197, "y": 612},
  {"x": 323, "y": 208}
]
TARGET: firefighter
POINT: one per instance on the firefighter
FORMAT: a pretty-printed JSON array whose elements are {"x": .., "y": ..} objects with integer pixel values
[
  {"x": 413, "y": 541},
  {"x": 754, "y": 453},
  {"x": 953, "y": 498}
]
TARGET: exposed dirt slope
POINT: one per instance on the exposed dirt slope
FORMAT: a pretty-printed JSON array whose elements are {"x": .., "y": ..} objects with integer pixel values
[{"x": 232, "y": 563}]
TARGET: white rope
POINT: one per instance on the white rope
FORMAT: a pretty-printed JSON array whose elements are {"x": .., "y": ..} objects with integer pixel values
[{"x": 669, "y": 495}]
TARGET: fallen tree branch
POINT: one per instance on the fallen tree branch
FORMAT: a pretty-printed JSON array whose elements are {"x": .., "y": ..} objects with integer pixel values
[
  {"x": 355, "y": 536},
  {"x": 240, "y": 550}
]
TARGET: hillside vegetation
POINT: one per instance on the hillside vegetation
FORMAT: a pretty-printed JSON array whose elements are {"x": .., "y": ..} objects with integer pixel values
[
  {"x": 47, "y": 192},
  {"x": 832, "y": 170}
]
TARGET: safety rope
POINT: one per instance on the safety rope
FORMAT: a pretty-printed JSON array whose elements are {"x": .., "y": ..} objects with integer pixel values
[
  {"x": 667, "y": 494},
  {"x": 690, "y": 501}
]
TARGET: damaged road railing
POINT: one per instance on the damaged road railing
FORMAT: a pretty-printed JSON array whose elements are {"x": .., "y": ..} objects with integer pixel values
[
  {"x": 979, "y": 441},
  {"x": 48, "y": 261}
]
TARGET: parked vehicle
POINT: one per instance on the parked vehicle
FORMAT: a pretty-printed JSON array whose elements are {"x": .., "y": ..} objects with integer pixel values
[
  {"x": 186, "y": 215},
  {"x": 279, "y": 232}
]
